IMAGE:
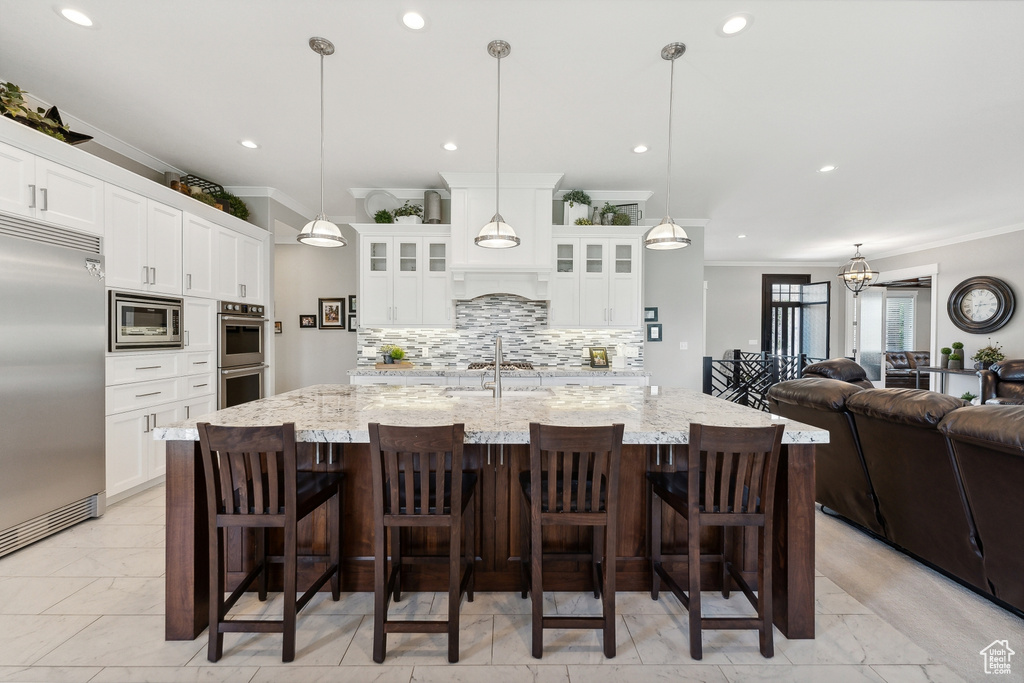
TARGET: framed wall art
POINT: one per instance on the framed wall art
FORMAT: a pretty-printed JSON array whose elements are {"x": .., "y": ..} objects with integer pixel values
[
  {"x": 654, "y": 332},
  {"x": 307, "y": 321},
  {"x": 332, "y": 313}
]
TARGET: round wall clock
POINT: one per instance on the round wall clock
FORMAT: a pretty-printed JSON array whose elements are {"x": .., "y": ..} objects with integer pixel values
[{"x": 980, "y": 304}]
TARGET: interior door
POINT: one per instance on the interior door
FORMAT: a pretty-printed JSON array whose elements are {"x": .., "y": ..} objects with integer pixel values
[
  {"x": 869, "y": 332},
  {"x": 814, "y": 314}
]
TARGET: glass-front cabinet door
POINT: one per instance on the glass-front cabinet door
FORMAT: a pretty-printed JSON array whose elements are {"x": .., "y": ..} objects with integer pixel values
[
  {"x": 623, "y": 284},
  {"x": 406, "y": 303},
  {"x": 437, "y": 298},
  {"x": 564, "y": 310},
  {"x": 375, "y": 290}
]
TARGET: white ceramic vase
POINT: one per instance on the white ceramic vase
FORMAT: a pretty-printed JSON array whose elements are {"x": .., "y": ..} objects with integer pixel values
[
  {"x": 408, "y": 220},
  {"x": 571, "y": 213}
]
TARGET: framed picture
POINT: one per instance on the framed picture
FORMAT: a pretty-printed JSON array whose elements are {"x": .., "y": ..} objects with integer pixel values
[
  {"x": 277, "y": 327},
  {"x": 598, "y": 357},
  {"x": 332, "y": 313},
  {"x": 651, "y": 314},
  {"x": 307, "y": 321},
  {"x": 352, "y": 304},
  {"x": 654, "y": 332},
  {"x": 351, "y": 323}
]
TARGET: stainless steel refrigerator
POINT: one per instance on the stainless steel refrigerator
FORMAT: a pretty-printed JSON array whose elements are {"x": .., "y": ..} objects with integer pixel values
[{"x": 52, "y": 336}]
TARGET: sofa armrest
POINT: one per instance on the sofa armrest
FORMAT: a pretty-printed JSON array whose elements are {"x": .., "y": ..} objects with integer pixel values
[{"x": 989, "y": 380}]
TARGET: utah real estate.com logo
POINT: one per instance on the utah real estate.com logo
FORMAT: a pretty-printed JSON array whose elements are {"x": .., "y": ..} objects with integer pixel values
[{"x": 997, "y": 657}]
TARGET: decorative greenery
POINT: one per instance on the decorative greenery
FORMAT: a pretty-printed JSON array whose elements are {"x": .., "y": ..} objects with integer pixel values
[
  {"x": 955, "y": 357},
  {"x": 383, "y": 216},
  {"x": 621, "y": 219},
  {"x": 237, "y": 206},
  {"x": 945, "y": 350},
  {"x": 968, "y": 396},
  {"x": 957, "y": 346},
  {"x": 574, "y": 197},
  {"x": 584, "y": 221},
  {"x": 204, "y": 198},
  {"x": 989, "y": 354},
  {"x": 13, "y": 105},
  {"x": 397, "y": 353},
  {"x": 408, "y": 209},
  {"x": 609, "y": 208}
]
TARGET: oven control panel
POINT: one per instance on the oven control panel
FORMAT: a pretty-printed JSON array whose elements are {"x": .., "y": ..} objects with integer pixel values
[{"x": 234, "y": 308}]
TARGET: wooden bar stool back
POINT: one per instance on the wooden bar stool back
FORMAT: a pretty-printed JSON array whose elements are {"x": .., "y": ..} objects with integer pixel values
[
  {"x": 730, "y": 481},
  {"x": 418, "y": 482},
  {"x": 573, "y": 481},
  {"x": 252, "y": 481}
]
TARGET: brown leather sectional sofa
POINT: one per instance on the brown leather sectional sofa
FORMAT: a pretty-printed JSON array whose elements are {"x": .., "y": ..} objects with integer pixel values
[
  {"x": 900, "y": 370},
  {"x": 936, "y": 479},
  {"x": 1003, "y": 383}
]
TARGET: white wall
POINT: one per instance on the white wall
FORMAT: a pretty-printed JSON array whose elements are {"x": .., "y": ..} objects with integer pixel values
[
  {"x": 734, "y": 305},
  {"x": 674, "y": 282}
]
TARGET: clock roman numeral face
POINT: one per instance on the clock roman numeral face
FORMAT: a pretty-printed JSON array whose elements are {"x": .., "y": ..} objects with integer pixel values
[{"x": 979, "y": 304}]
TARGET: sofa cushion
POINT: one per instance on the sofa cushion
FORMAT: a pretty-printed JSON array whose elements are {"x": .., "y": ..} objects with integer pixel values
[
  {"x": 842, "y": 369},
  {"x": 814, "y": 392},
  {"x": 1009, "y": 370},
  {"x": 920, "y": 359},
  {"x": 898, "y": 359},
  {"x": 998, "y": 426},
  {"x": 916, "y": 407}
]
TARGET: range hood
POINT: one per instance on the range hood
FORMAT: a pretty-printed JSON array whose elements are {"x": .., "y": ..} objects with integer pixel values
[{"x": 526, "y": 204}]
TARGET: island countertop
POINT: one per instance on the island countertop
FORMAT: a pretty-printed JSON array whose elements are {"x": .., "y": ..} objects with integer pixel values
[
  {"x": 461, "y": 370},
  {"x": 336, "y": 413}
]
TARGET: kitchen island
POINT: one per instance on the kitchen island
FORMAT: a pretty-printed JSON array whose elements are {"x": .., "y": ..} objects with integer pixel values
[{"x": 331, "y": 424}]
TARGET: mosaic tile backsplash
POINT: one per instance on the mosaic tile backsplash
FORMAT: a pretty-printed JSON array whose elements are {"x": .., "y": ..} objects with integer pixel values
[{"x": 523, "y": 326}]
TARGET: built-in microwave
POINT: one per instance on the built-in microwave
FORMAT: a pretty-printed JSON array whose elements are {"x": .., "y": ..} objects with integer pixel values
[{"x": 138, "y": 321}]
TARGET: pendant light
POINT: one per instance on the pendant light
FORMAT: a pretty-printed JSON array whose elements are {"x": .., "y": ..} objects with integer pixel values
[
  {"x": 320, "y": 232},
  {"x": 857, "y": 274},
  {"x": 497, "y": 234},
  {"x": 668, "y": 235}
]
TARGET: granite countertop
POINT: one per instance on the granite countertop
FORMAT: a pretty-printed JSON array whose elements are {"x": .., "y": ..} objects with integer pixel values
[
  {"x": 339, "y": 413},
  {"x": 460, "y": 370}
]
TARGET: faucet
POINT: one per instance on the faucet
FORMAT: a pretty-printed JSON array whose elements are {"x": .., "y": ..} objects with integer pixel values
[{"x": 495, "y": 386}]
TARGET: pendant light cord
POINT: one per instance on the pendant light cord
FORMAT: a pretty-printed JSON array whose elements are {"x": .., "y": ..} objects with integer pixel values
[
  {"x": 497, "y": 145},
  {"x": 322, "y": 135},
  {"x": 668, "y": 188}
]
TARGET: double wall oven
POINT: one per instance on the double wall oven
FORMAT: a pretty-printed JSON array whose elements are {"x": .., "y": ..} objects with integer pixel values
[{"x": 241, "y": 347}]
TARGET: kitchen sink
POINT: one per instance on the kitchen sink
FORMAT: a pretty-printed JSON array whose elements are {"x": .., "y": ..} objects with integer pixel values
[{"x": 480, "y": 391}]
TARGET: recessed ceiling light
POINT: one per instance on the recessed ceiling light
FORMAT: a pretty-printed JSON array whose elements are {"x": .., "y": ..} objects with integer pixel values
[
  {"x": 828, "y": 168},
  {"x": 76, "y": 17},
  {"x": 741, "y": 237},
  {"x": 640, "y": 149},
  {"x": 248, "y": 143},
  {"x": 737, "y": 23},
  {"x": 413, "y": 20},
  {"x": 450, "y": 146}
]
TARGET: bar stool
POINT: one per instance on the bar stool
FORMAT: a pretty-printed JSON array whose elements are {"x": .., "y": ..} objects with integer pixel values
[
  {"x": 252, "y": 481},
  {"x": 730, "y": 481},
  {"x": 418, "y": 482},
  {"x": 573, "y": 481}
]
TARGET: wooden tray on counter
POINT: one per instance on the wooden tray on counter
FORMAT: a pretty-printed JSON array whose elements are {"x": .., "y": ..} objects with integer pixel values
[{"x": 393, "y": 366}]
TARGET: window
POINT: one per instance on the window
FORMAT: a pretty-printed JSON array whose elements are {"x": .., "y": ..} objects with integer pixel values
[{"x": 899, "y": 322}]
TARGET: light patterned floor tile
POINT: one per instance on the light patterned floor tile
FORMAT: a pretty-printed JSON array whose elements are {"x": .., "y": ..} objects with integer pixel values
[
  {"x": 28, "y": 595},
  {"x": 47, "y": 674},
  {"x": 26, "y": 638},
  {"x": 114, "y": 562},
  {"x": 36, "y": 561},
  {"x": 613, "y": 673},
  {"x": 666, "y": 640},
  {"x": 174, "y": 674},
  {"x": 853, "y": 639},
  {"x": 374, "y": 673},
  {"x": 923, "y": 673},
  {"x": 492, "y": 603},
  {"x": 475, "y": 635},
  {"x": 513, "y": 644},
  {"x": 156, "y": 496},
  {"x": 801, "y": 674},
  {"x": 523, "y": 673},
  {"x": 93, "y": 534},
  {"x": 133, "y": 514},
  {"x": 122, "y": 595},
  {"x": 319, "y": 641},
  {"x": 122, "y": 641}
]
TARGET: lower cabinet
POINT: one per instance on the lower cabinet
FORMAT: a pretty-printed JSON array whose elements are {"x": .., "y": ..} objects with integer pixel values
[{"x": 134, "y": 458}]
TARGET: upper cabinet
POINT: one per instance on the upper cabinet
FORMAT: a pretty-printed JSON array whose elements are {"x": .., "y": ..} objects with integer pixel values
[
  {"x": 38, "y": 188},
  {"x": 403, "y": 280},
  {"x": 197, "y": 256},
  {"x": 237, "y": 271},
  {"x": 142, "y": 243},
  {"x": 597, "y": 282}
]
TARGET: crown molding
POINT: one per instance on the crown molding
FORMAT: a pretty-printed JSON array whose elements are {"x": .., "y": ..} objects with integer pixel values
[
  {"x": 410, "y": 193},
  {"x": 771, "y": 264},
  {"x": 965, "y": 237},
  {"x": 272, "y": 193}
]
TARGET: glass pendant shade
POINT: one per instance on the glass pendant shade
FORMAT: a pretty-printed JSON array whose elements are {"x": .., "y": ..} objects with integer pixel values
[
  {"x": 320, "y": 232},
  {"x": 666, "y": 235},
  {"x": 497, "y": 234},
  {"x": 857, "y": 274}
]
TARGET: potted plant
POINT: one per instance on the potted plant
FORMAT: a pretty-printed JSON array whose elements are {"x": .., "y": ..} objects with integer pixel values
[
  {"x": 958, "y": 350},
  {"x": 383, "y": 216},
  {"x": 409, "y": 213},
  {"x": 968, "y": 396},
  {"x": 608, "y": 212},
  {"x": 956, "y": 361},
  {"x": 397, "y": 354},
  {"x": 944, "y": 358},
  {"x": 234, "y": 205},
  {"x": 13, "y": 106},
  {"x": 583, "y": 221},
  {"x": 987, "y": 355},
  {"x": 620, "y": 218},
  {"x": 386, "y": 350},
  {"x": 575, "y": 205}
]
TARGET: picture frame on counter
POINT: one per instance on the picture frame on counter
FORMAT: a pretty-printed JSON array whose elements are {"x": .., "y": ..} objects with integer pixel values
[
  {"x": 598, "y": 357},
  {"x": 332, "y": 313},
  {"x": 307, "y": 321},
  {"x": 650, "y": 314},
  {"x": 654, "y": 332},
  {"x": 277, "y": 327},
  {"x": 352, "y": 304},
  {"x": 351, "y": 323}
]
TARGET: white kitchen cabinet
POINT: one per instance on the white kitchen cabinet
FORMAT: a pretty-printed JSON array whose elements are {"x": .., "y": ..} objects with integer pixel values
[
  {"x": 35, "y": 187},
  {"x": 197, "y": 256},
  {"x": 133, "y": 457},
  {"x": 237, "y": 273},
  {"x": 200, "y": 323},
  {"x": 143, "y": 243},
  {"x": 197, "y": 407},
  {"x": 596, "y": 283},
  {"x": 403, "y": 281}
]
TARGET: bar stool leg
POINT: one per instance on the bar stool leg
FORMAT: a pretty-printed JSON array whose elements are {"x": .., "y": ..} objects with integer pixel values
[
  {"x": 764, "y": 590},
  {"x": 655, "y": 541},
  {"x": 608, "y": 569},
  {"x": 693, "y": 560},
  {"x": 537, "y": 587},
  {"x": 380, "y": 597}
]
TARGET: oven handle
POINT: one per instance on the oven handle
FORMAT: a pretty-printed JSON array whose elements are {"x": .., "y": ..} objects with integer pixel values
[
  {"x": 242, "y": 319},
  {"x": 246, "y": 369}
]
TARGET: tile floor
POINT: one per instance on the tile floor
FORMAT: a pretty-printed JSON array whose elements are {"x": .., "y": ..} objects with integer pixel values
[{"x": 87, "y": 605}]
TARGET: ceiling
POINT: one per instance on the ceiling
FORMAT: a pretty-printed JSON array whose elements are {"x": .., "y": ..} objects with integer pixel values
[{"x": 918, "y": 104}]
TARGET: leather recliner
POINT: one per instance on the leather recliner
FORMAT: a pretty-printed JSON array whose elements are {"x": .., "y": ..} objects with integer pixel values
[
  {"x": 988, "y": 442},
  {"x": 1003, "y": 382},
  {"x": 841, "y": 480},
  {"x": 916, "y": 478},
  {"x": 842, "y": 369}
]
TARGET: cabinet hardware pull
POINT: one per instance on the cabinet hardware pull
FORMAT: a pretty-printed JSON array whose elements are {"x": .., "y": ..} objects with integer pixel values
[
  {"x": 32, "y": 196},
  {"x": 657, "y": 455},
  {"x": 196, "y": 386},
  {"x": 186, "y": 337},
  {"x": 187, "y": 412},
  {"x": 317, "y": 454},
  {"x": 243, "y": 291},
  {"x": 188, "y": 281},
  {"x": 150, "y": 367},
  {"x": 46, "y": 199},
  {"x": 670, "y": 447},
  {"x": 153, "y": 279},
  {"x": 152, "y": 393},
  {"x": 154, "y": 420},
  {"x": 146, "y": 431},
  {"x": 501, "y": 454},
  {"x": 145, "y": 275},
  {"x": 488, "y": 454},
  {"x": 199, "y": 362}
]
